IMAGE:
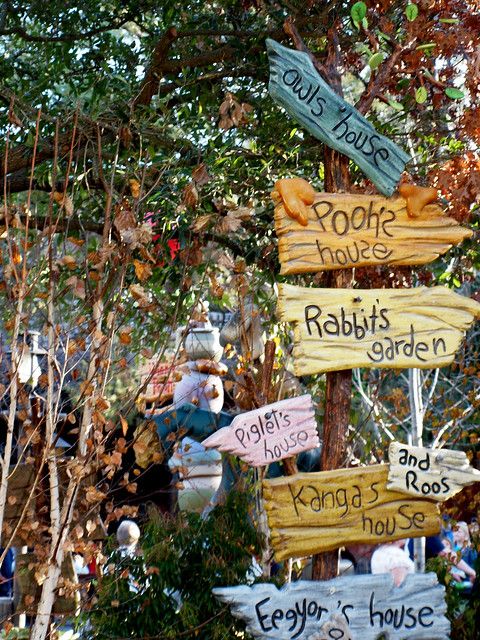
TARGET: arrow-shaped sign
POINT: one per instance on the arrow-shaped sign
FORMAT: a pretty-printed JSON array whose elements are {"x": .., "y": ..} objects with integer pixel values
[
  {"x": 271, "y": 433},
  {"x": 296, "y": 86},
  {"x": 355, "y": 230},
  {"x": 363, "y": 607},
  {"x": 391, "y": 328},
  {"x": 437, "y": 474}
]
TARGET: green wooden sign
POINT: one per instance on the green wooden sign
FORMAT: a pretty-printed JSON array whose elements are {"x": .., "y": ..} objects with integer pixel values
[{"x": 296, "y": 86}]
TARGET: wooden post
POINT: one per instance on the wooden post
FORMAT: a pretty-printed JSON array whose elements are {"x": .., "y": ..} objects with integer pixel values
[{"x": 339, "y": 383}]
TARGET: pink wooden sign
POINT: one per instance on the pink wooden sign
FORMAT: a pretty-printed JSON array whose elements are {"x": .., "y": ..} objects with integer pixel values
[{"x": 271, "y": 433}]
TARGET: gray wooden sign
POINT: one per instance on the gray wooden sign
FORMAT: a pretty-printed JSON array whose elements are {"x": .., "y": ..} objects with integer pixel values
[
  {"x": 437, "y": 474},
  {"x": 296, "y": 86},
  {"x": 347, "y": 608}
]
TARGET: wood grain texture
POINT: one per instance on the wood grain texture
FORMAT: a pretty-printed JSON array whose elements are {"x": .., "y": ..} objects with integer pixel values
[
  {"x": 367, "y": 604},
  {"x": 298, "y": 88},
  {"x": 312, "y": 512},
  {"x": 337, "y": 329},
  {"x": 437, "y": 474},
  {"x": 273, "y": 432},
  {"x": 353, "y": 230}
]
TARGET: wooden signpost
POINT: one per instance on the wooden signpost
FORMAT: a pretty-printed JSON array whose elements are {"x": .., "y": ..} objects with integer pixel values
[
  {"x": 273, "y": 432},
  {"x": 436, "y": 474},
  {"x": 354, "y": 230},
  {"x": 348, "y": 608},
  {"x": 313, "y": 512},
  {"x": 296, "y": 85},
  {"x": 385, "y": 328}
]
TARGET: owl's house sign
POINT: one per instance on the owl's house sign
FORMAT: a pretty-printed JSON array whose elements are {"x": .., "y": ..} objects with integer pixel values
[
  {"x": 339, "y": 329},
  {"x": 296, "y": 85},
  {"x": 347, "y": 608}
]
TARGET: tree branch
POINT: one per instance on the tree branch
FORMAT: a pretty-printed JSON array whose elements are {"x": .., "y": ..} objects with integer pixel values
[
  {"x": 155, "y": 71},
  {"x": 380, "y": 79},
  {"x": 66, "y": 37}
]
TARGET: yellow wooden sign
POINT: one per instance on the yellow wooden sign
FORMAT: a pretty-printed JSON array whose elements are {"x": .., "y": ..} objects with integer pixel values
[
  {"x": 339, "y": 329},
  {"x": 346, "y": 230},
  {"x": 313, "y": 512}
]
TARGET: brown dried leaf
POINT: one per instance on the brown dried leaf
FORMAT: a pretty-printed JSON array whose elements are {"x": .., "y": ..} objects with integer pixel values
[
  {"x": 134, "y": 187},
  {"x": 233, "y": 113},
  {"x": 68, "y": 261},
  {"x": 124, "y": 335},
  {"x": 229, "y": 224},
  {"x": 200, "y": 175},
  {"x": 93, "y": 495},
  {"x": 76, "y": 241},
  {"x": 124, "y": 217},
  {"x": 202, "y": 222},
  {"x": 139, "y": 293},
  {"x": 16, "y": 255},
  {"x": 77, "y": 286},
  {"x": 65, "y": 202},
  {"x": 143, "y": 271},
  {"x": 190, "y": 195}
]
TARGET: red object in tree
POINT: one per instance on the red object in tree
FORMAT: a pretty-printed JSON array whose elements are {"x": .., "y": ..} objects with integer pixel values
[{"x": 174, "y": 246}]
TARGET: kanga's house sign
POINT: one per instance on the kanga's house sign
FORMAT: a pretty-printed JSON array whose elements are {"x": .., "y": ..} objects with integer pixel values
[
  {"x": 339, "y": 329},
  {"x": 296, "y": 85},
  {"x": 313, "y": 512},
  {"x": 346, "y": 230},
  {"x": 273, "y": 432},
  {"x": 347, "y": 608},
  {"x": 437, "y": 474}
]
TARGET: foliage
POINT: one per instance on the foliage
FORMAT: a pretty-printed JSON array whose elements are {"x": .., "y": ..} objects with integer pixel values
[
  {"x": 174, "y": 577},
  {"x": 463, "y": 611},
  {"x": 139, "y": 147}
]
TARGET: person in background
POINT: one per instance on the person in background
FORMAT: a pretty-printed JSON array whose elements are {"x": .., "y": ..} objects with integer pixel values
[
  {"x": 462, "y": 544},
  {"x": 443, "y": 548},
  {"x": 393, "y": 558},
  {"x": 128, "y": 535},
  {"x": 6, "y": 574}
]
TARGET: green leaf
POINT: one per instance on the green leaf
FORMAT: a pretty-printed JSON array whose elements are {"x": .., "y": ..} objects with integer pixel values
[
  {"x": 398, "y": 106},
  {"x": 411, "y": 11},
  {"x": 358, "y": 13},
  {"x": 454, "y": 94},
  {"x": 424, "y": 47},
  {"x": 421, "y": 95},
  {"x": 376, "y": 60}
]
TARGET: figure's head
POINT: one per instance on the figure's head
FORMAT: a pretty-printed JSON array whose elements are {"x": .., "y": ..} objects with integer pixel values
[
  {"x": 461, "y": 534},
  {"x": 128, "y": 533},
  {"x": 447, "y": 545}
]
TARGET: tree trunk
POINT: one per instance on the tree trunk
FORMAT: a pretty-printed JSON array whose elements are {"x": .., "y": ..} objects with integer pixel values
[
  {"x": 416, "y": 439},
  {"x": 41, "y": 628},
  {"x": 339, "y": 383}
]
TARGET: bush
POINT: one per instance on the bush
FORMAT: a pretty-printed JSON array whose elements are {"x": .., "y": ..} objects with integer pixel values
[
  {"x": 167, "y": 592},
  {"x": 463, "y": 611}
]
